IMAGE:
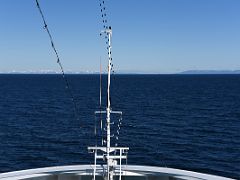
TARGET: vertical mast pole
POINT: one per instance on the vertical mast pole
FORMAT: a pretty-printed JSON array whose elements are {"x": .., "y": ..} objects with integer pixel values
[{"x": 109, "y": 33}]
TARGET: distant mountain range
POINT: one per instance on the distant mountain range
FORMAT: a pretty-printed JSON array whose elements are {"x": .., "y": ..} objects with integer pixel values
[
  {"x": 126, "y": 72},
  {"x": 48, "y": 72},
  {"x": 211, "y": 72}
]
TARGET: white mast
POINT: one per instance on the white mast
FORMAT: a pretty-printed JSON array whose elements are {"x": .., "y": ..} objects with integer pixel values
[
  {"x": 109, "y": 33},
  {"x": 111, "y": 155}
]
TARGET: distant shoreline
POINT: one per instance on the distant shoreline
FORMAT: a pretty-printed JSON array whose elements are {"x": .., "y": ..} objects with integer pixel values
[
  {"x": 211, "y": 72},
  {"x": 179, "y": 74},
  {"x": 188, "y": 72}
]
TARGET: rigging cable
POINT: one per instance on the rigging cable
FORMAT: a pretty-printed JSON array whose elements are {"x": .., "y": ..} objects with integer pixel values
[
  {"x": 106, "y": 26},
  {"x": 58, "y": 60},
  {"x": 102, "y": 5}
]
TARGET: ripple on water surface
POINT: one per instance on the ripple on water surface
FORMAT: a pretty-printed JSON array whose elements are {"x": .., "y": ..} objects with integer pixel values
[{"x": 181, "y": 121}]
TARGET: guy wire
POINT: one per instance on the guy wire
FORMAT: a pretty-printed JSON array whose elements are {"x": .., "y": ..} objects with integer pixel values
[{"x": 58, "y": 60}]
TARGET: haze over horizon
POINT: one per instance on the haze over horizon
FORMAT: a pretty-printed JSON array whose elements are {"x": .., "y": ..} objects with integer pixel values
[{"x": 152, "y": 37}]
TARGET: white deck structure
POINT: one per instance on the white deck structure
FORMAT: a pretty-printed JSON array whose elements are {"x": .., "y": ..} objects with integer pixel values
[{"x": 85, "y": 172}]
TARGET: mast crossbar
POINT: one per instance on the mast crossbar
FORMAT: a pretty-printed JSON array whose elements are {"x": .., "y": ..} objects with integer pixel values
[{"x": 111, "y": 155}]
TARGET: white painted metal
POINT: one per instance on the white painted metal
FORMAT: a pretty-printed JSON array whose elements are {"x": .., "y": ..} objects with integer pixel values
[
  {"x": 85, "y": 171},
  {"x": 104, "y": 152},
  {"x": 109, "y": 33},
  {"x": 112, "y": 112},
  {"x": 95, "y": 165},
  {"x": 111, "y": 149},
  {"x": 120, "y": 165}
]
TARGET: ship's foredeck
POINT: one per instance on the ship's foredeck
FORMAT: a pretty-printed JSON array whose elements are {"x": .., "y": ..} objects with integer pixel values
[{"x": 85, "y": 172}]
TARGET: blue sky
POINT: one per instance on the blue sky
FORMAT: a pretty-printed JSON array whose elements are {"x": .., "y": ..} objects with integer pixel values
[{"x": 153, "y": 36}]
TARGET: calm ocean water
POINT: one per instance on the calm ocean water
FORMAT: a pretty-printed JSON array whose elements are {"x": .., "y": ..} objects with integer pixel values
[{"x": 182, "y": 121}]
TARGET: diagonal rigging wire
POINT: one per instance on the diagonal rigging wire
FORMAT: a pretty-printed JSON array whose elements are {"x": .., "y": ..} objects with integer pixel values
[
  {"x": 58, "y": 60},
  {"x": 102, "y": 4},
  {"x": 106, "y": 26}
]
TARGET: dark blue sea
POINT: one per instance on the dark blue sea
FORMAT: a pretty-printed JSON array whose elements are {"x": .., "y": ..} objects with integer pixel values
[{"x": 189, "y": 122}]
